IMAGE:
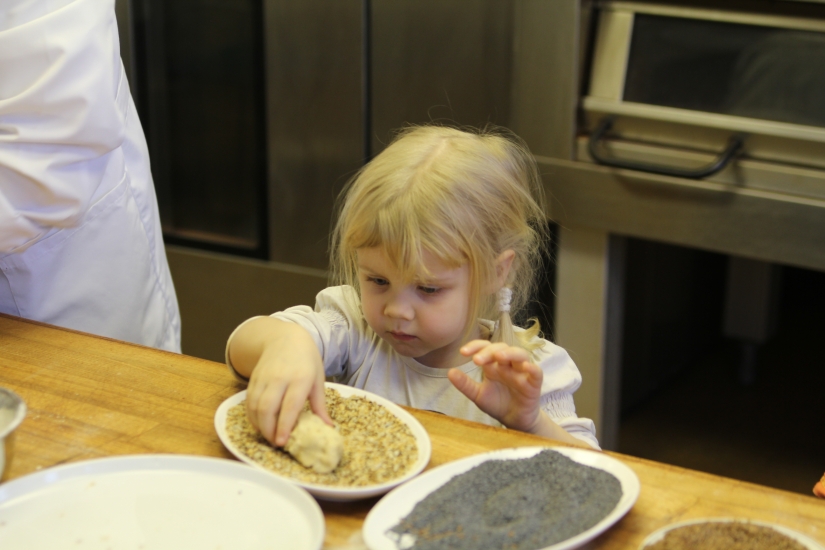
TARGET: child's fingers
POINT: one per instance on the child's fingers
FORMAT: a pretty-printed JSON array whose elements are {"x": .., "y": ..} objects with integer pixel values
[
  {"x": 529, "y": 372},
  {"x": 505, "y": 375},
  {"x": 490, "y": 352},
  {"x": 522, "y": 377},
  {"x": 317, "y": 402},
  {"x": 501, "y": 354},
  {"x": 293, "y": 402},
  {"x": 508, "y": 373},
  {"x": 528, "y": 368},
  {"x": 263, "y": 407},
  {"x": 473, "y": 347},
  {"x": 463, "y": 383},
  {"x": 512, "y": 354},
  {"x": 533, "y": 372}
]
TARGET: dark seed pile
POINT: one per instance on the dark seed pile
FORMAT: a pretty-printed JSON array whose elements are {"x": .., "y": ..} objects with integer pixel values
[
  {"x": 734, "y": 535},
  {"x": 523, "y": 504}
]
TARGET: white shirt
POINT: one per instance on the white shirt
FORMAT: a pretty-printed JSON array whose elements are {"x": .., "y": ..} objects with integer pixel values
[
  {"x": 80, "y": 237},
  {"x": 355, "y": 355}
]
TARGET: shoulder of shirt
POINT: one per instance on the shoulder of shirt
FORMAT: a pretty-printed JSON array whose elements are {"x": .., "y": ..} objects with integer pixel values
[
  {"x": 333, "y": 294},
  {"x": 342, "y": 298}
]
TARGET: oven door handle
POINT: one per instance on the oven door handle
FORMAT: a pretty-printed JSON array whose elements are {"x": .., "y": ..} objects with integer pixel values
[{"x": 733, "y": 148}]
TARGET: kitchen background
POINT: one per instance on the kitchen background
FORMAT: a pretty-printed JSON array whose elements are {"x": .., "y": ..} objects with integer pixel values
[{"x": 257, "y": 112}]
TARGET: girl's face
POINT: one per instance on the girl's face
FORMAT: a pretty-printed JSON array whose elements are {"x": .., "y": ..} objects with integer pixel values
[{"x": 423, "y": 319}]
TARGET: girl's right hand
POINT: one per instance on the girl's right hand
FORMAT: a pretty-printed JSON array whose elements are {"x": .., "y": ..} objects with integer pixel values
[{"x": 284, "y": 369}]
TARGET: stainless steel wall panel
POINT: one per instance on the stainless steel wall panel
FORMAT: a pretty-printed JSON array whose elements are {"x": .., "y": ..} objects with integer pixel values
[
  {"x": 217, "y": 292},
  {"x": 436, "y": 60},
  {"x": 201, "y": 105},
  {"x": 545, "y": 76},
  {"x": 314, "y": 120}
]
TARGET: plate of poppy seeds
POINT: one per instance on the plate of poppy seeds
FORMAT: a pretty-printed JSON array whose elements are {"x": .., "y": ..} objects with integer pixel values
[
  {"x": 527, "y": 498},
  {"x": 374, "y": 446}
]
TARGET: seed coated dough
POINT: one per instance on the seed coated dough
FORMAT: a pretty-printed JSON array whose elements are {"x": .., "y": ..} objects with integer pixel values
[{"x": 315, "y": 444}]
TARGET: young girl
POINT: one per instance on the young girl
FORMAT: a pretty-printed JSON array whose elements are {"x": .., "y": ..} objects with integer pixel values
[{"x": 440, "y": 234}]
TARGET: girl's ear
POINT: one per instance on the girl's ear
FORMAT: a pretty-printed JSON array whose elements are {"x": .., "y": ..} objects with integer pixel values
[{"x": 503, "y": 264}]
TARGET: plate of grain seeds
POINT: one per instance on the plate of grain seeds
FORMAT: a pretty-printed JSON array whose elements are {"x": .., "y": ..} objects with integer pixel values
[
  {"x": 527, "y": 498},
  {"x": 383, "y": 445},
  {"x": 727, "y": 534}
]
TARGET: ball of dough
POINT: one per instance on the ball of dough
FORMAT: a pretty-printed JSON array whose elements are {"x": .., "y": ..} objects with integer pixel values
[{"x": 315, "y": 444}]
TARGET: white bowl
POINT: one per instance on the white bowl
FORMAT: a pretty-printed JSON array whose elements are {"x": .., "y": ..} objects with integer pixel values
[
  {"x": 330, "y": 492},
  {"x": 162, "y": 502},
  {"x": 397, "y": 504},
  {"x": 659, "y": 534}
]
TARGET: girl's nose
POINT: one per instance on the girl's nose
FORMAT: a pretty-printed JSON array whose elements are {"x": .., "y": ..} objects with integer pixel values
[{"x": 397, "y": 307}]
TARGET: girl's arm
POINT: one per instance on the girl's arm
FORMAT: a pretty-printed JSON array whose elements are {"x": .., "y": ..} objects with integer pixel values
[
  {"x": 284, "y": 368},
  {"x": 510, "y": 391}
]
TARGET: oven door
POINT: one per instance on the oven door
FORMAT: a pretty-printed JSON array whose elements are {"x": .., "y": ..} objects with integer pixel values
[
  {"x": 729, "y": 107},
  {"x": 692, "y": 80}
]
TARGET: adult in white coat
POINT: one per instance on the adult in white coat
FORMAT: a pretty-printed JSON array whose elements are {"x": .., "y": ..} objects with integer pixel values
[{"x": 80, "y": 238}]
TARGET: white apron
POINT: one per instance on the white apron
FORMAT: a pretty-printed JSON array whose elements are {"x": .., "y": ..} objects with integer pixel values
[{"x": 80, "y": 238}]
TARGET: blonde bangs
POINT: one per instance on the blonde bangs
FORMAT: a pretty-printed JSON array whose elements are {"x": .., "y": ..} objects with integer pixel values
[{"x": 405, "y": 224}]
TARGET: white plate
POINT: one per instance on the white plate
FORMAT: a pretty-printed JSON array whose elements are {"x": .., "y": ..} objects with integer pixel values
[
  {"x": 659, "y": 534},
  {"x": 397, "y": 504},
  {"x": 157, "y": 502},
  {"x": 329, "y": 492}
]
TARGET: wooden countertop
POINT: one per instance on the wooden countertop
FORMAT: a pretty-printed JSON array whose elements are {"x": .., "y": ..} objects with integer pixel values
[{"x": 91, "y": 397}]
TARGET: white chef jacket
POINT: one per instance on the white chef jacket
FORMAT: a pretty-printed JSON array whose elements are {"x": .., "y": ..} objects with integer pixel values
[{"x": 80, "y": 237}]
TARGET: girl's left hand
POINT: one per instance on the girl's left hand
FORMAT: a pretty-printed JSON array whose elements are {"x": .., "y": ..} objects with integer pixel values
[{"x": 511, "y": 387}]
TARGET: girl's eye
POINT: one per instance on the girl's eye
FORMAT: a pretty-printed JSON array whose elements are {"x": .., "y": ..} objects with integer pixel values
[
  {"x": 377, "y": 280},
  {"x": 429, "y": 289}
]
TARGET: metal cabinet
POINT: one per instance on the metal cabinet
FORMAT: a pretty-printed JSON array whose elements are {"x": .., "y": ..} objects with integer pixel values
[{"x": 258, "y": 111}]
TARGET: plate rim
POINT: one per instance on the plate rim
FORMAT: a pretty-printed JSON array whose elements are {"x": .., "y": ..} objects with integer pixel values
[
  {"x": 20, "y": 411},
  {"x": 164, "y": 462},
  {"x": 630, "y": 483},
  {"x": 332, "y": 493},
  {"x": 801, "y": 538}
]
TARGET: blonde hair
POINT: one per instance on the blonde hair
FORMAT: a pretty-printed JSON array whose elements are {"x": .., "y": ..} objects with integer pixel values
[{"x": 464, "y": 196}]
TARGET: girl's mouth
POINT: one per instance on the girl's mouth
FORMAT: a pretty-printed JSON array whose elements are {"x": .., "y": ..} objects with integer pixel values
[{"x": 401, "y": 336}]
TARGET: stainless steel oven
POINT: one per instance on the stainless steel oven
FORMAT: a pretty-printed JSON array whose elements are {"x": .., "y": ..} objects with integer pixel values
[
  {"x": 674, "y": 86},
  {"x": 690, "y": 123},
  {"x": 257, "y": 111}
]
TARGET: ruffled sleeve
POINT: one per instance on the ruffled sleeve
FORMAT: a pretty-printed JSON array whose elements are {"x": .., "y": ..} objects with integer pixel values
[
  {"x": 561, "y": 379},
  {"x": 336, "y": 324}
]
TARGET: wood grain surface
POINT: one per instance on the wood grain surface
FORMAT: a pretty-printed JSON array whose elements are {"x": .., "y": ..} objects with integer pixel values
[{"x": 91, "y": 397}]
